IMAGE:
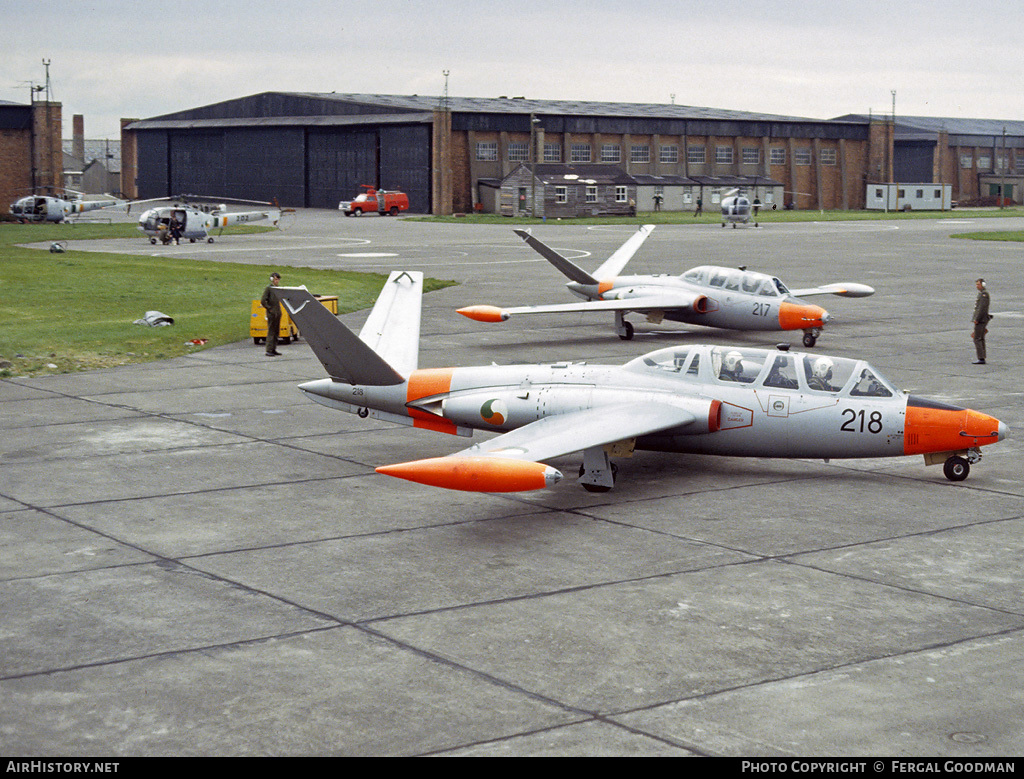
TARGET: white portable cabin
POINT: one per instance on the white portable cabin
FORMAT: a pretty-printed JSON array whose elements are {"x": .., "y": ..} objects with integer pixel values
[{"x": 909, "y": 197}]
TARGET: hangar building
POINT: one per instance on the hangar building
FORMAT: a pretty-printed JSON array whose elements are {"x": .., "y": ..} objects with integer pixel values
[
  {"x": 454, "y": 154},
  {"x": 312, "y": 150}
]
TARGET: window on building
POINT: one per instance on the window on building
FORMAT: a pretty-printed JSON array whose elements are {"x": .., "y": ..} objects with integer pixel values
[
  {"x": 487, "y": 151},
  {"x": 695, "y": 155},
  {"x": 723, "y": 155},
  {"x": 984, "y": 162},
  {"x": 611, "y": 152},
  {"x": 751, "y": 155},
  {"x": 552, "y": 152},
  {"x": 802, "y": 155},
  {"x": 621, "y": 194},
  {"x": 828, "y": 156},
  {"x": 938, "y": 194},
  {"x": 668, "y": 155},
  {"x": 966, "y": 161},
  {"x": 591, "y": 194},
  {"x": 777, "y": 156},
  {"x": 640, "y": 154},
  {"x": 920, "y": 194},
  {"x": 1018, "y": 163},
  {"x": 561, "y": 194},
  {"x": 579, "y": 152},
  {"x": 518, "y": 152},
  {"x": 687, "y": 195}
]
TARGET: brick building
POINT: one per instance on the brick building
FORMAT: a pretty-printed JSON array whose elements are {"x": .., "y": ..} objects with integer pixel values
[{"x": 31, "y": 157}]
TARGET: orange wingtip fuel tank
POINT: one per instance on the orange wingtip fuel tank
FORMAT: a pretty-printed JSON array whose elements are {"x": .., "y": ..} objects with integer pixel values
[
  {"x": 476, "y": 474},
  {"x": 794, "y": 316},
  {"x": 484, "y": 313}
]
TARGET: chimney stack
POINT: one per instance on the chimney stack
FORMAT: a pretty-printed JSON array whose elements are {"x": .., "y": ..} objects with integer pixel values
[{"x": 78, "y": 137}]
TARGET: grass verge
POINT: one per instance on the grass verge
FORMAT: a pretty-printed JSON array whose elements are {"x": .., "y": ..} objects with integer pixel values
[{"x": 74, "y": 311}]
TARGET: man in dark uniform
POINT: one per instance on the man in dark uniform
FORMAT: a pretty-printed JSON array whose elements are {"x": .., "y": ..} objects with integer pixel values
[
  {"x": 981, "y": 318},
  {"x": 273, "y": 309}
]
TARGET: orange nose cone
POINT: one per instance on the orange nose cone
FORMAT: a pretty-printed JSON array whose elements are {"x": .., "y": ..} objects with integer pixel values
[
  {"x": 484, "y": 313},
  {"x": 937, "y": 427},
  {"x": 476, "y": 474},
  {"x": 800, "y": 316}
]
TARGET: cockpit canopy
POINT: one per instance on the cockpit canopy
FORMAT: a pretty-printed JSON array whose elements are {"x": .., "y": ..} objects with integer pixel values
[
  {"x": 765, "y": 368},
  {"x": 747, "y": 281}
]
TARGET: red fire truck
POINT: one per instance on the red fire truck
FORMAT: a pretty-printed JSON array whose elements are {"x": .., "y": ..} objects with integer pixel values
[{"x": 382, "y": 201}]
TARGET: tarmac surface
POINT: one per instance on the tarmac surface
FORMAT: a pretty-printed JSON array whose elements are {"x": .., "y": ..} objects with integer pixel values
[{"x": 199, "y": 561}]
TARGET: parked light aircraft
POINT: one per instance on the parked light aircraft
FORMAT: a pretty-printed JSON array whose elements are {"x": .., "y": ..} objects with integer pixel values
[
  {"x": 48, "y": 208},
  {"x": 700, "y": 399},
  {"x": 197, "y": 223},
  {"x": 732, "y": 298}
]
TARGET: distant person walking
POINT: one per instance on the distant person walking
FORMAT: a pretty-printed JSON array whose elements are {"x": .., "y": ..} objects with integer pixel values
[
  {"x": 981, "y": 319},
  {"x": 273, "y": 309},
  {"x": 700, "y": 207}
]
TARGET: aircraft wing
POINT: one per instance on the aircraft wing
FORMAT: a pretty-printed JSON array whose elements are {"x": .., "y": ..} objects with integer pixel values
[
  {"x": 660, "y": 302},
  {"x": 844, "y": 289},
  {"x": 510, "y": 462}
]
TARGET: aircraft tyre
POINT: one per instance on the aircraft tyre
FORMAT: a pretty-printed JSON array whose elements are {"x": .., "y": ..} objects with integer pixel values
[
  {"x": 956, "y": 468},
  {"x": 626, "y": 334},
  {"x": 809, "y": 340}
]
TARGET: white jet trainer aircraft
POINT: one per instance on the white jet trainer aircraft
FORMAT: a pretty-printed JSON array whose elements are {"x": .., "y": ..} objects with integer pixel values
[
  {"x": 704, "y": 399},
  {"x": 731, "y": 298}
]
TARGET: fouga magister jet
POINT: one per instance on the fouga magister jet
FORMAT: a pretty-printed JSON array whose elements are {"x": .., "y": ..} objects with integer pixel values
[
  {"x": 48, "y": 208},
  {"x": 703, "y": 399},
  {"x": 197, "y": 223},
  {"x": 731, "y": 298}
]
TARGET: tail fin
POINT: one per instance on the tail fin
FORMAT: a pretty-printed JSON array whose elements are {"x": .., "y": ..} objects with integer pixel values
[
  {"x": 609, "y": 268},
  {"x": 393, "y": 327},
  {"x": 613, "y": 266},
  {"x": 391, "y": 330},
  {"x": 569, "y": 269}
]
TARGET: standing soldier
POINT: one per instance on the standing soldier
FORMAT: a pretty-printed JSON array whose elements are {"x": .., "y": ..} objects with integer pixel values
[
  {"x": 981, "y": 320},
  {"x": 273, "y": 309}
]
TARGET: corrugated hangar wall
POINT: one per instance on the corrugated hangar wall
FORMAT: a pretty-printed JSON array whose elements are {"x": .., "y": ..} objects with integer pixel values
[{"x": 299, "y": 166}]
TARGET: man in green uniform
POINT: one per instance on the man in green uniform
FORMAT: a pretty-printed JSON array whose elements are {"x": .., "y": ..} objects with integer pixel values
[
  {"x": 981, "y": 318},
  {"x": 273, "y": 309}
]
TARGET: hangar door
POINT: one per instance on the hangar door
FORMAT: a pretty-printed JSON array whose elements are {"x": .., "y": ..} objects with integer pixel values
[{"x": 339, "y": 161}]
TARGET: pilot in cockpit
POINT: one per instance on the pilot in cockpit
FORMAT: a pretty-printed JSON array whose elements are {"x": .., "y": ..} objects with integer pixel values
[
  {"x": 732, "y": 367},
  {"x": 821, "y": 375}
]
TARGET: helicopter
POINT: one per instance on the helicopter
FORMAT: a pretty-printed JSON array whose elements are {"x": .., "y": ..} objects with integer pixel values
[
  {"x": 50, "y": 208},
  {"x": 193, "y": 221}
]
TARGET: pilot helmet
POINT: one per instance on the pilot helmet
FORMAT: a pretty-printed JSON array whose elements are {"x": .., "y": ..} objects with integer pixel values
[
  {"x": 822, "y": 368},
  {"x": 733, "y": 362}
]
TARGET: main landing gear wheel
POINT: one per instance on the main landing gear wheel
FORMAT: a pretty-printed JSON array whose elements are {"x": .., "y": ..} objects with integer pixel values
[
  {"x": 956, "y": 468},
  {"x": 626, "y": 333}
]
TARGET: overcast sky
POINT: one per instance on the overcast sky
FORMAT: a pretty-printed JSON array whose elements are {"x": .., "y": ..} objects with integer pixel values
[{"x": 795, "y": 57}]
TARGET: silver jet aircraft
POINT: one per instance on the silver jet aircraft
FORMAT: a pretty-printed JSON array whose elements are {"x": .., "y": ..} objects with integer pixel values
[
  {"x": 731, "y": 298},
  {"x": 740, "y": 402}
]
